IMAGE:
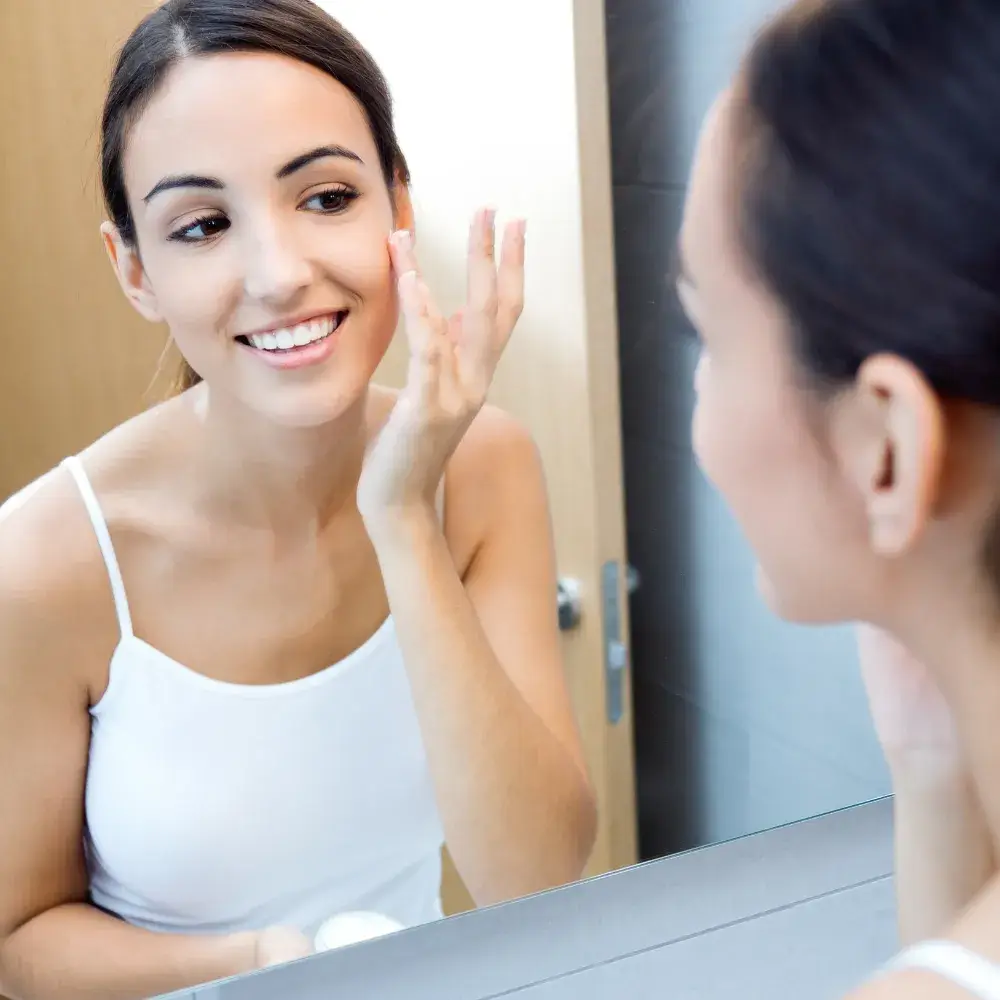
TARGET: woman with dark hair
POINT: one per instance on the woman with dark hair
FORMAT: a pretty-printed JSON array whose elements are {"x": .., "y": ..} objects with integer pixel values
[
  {"x": 251, "y": 674},
  {"x": 840, "y": 259}
]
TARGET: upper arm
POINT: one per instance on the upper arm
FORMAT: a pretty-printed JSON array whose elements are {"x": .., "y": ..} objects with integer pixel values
[
  {"x": 44, "y": 722},
  {"x": 511, "y": 578}
]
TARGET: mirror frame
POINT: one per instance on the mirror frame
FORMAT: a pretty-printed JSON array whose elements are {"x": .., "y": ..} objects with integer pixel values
[{"x": 600, "y": 927}]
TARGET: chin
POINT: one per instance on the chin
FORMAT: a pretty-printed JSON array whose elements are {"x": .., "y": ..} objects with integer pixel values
[{"x": 306, "y": 408}]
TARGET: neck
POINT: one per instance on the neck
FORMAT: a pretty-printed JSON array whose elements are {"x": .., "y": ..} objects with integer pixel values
[
  {"x": 290, "y": 480},
  {"x": 955, "y": 632}
]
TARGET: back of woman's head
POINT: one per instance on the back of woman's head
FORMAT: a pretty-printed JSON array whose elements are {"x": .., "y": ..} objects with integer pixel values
[
  {"x": 180, "y": 29},
  {"x": 869, "y": 191}
]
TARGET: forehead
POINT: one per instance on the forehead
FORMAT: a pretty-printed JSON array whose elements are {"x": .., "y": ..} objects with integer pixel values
[
  {"x": 242, "y": 110},
  {"x": 707, "y": 241}
]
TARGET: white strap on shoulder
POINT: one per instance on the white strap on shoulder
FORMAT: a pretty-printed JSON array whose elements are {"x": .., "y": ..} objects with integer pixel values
[
  {"x": 954, "y": 962},
  {"x": 76, "y": 470}
]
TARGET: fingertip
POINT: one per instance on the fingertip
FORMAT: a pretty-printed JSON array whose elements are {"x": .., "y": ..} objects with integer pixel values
[
  {"x": 516, "y": 229},
  {"x": 408, "y": 282},
  {"x": 401, "y": 240}
]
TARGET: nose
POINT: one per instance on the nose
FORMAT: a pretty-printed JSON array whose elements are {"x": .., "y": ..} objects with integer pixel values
[{"x": 278, "y": 268}]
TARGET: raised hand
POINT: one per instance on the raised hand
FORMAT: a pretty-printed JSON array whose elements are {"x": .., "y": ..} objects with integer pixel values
[{"x": 451, "y": 367}]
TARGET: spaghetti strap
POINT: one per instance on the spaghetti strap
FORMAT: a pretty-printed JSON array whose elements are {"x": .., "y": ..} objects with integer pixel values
[
  {"x": 955, "y": 963},
  {"x": 76, "y": 470}
]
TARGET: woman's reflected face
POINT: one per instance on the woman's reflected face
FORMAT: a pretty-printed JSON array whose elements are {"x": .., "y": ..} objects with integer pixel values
[
  {"x": 760, "y": 435},
  {"x": 262, "y": 214}
]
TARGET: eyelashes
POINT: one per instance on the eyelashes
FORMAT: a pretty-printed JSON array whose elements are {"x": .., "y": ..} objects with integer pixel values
[
  {"x": 341, "y": 196},
  {"x": 330, "y": 201},
  {"x": 205, "y": 222}
]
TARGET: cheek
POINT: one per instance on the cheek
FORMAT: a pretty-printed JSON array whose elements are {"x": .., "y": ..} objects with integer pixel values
[
  {"x": 762, "y": 454},
  {"x": 356, "y": 253},
  {"x": 722, "y": 430},
  {"x": 196, "y": 290}
]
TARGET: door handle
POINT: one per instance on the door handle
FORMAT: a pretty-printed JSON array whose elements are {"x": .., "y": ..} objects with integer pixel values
[{"x": 568, "y": 603}]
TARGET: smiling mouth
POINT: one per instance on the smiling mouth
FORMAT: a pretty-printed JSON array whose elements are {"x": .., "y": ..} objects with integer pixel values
[{"x": 293, "y": 338}]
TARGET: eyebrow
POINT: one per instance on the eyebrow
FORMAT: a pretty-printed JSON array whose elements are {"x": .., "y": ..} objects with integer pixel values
[{"x": 214, "y": 184}]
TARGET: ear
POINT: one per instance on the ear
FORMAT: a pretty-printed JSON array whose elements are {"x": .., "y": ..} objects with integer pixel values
[
  {"x": 130, "y": 273},
  {"x": 402, "y": 208},
  {"x": 899, "y": 451}
]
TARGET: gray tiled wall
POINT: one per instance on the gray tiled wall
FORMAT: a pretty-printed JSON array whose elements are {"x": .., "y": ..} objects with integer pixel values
[{"x": 741, "y": 722}]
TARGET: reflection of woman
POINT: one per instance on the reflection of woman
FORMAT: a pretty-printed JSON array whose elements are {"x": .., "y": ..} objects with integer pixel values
[
  {"x": 276, "y": 518},
  {"x": 841, "y": 261}
]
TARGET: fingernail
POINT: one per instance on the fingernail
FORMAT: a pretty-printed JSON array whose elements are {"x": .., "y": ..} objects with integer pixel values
[
  {"x": 402, "y": 239},
  {"x": 489, "y": 217}
]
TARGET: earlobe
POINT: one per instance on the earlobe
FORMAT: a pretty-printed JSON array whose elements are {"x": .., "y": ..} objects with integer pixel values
[
  {"x": 127, "y": 265},
  {"x": 903, "y": 471}
]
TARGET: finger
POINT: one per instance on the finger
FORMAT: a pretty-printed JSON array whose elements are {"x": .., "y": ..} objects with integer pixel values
[
  {"x": 402, "y": 252},
  {"x": 475, "y": 349},
  {"x": 425, "y": 329},
  {"x": 481, "y": 291},
  {"x": 510, "y": 281},
  {"x": 455, "y": 325}
]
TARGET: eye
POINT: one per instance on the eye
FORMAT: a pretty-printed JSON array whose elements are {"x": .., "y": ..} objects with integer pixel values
[
  {"x": 201, "y": 229},
  {"x": 330, "y": 201}
]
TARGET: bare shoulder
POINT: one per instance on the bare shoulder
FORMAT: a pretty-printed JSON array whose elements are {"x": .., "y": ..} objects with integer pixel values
[
  {"x": 495, "y": 445},
  {"x": 494, "y": 478},
  {"x": 53, "y": 586},
  {"x": 56, "y": 609}
]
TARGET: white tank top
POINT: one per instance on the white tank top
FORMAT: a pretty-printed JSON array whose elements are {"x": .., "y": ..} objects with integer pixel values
[
  {"x": 214, "y": 807},
  {"x": 976, "y": 975}
]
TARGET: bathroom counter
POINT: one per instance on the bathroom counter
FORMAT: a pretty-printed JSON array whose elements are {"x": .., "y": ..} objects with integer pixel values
[{"x": 804, "y": 911}]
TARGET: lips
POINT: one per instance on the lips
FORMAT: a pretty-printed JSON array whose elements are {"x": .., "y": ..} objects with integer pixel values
[{"x": 298, "y": 336}]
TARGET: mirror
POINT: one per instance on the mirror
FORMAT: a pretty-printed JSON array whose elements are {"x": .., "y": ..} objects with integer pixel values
[{"x": 268, "y": 748}]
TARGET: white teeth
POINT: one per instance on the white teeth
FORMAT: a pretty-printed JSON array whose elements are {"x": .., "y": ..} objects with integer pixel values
[{"x": 296, "y": 336}]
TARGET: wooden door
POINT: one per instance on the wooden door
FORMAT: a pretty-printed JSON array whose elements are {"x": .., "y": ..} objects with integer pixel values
[
  {"x": 535, "y": 141},
  {"x": 77, "y": 360}
]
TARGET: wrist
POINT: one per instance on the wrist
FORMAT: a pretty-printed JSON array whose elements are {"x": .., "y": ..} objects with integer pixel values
[
  {"x": 404, "y": 525},
  {"x": 238, "y": 953},
  {"x": 922, "y": 774}
]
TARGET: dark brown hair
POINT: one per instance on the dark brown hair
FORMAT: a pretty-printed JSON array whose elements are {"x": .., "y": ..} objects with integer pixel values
[
  {"x": 869, "y": 189},
  {"x": 180, "y": 29}
]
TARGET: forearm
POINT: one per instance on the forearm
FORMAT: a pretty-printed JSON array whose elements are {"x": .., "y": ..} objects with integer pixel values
[
  {"x": 76, "y": 952},
  {"x": 517, "y": 809},
  {"x": 944, "y": 852}
]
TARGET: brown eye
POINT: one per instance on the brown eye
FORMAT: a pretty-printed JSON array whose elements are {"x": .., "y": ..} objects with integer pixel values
[
  {"x": 201, "y": 229},
  {"x": 332, "y": 201}
]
